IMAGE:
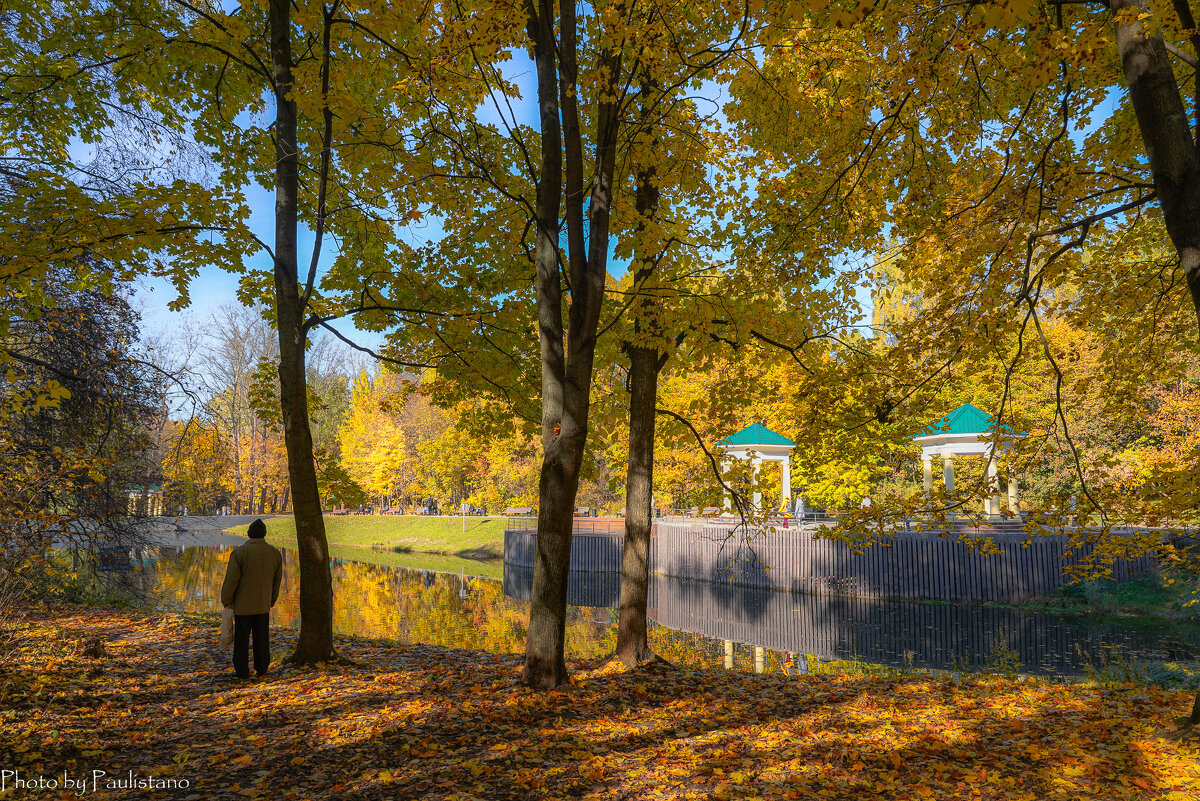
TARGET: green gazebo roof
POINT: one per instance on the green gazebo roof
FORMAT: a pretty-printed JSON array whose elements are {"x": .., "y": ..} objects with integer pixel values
[
  {"x": 756, "y": 434},
  {"x": 966, "y": 419}
]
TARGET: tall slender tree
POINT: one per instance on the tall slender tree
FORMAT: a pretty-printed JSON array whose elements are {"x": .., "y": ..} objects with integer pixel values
[{"x": 567, "y": 353}]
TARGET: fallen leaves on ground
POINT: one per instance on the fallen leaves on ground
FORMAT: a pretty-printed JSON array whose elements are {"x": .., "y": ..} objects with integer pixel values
[{"x": 427, "y": 722}]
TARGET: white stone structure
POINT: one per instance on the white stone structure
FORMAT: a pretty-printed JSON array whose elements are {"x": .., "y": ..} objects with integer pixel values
[{"x": 968, "y": 431}]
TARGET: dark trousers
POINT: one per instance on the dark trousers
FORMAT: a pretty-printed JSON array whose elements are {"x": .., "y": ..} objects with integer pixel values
[{"x": 243, "y": 626}]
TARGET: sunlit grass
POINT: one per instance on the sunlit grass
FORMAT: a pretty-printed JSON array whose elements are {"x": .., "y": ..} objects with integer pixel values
[{"x": 443, "y": 535}]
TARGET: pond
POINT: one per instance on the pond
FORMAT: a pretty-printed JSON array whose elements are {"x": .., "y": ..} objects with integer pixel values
[{"x": 693, "y": 621}]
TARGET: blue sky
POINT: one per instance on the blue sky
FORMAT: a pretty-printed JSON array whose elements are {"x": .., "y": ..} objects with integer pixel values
[{"x": 215, "y": 286}]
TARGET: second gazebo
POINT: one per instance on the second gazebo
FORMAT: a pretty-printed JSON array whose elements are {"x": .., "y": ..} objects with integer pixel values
[{"x": 968, "y": 431}]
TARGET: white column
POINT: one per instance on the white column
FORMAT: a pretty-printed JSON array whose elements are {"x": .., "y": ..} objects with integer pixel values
[
  {"x": 948, "y": 472},
  {"x": 726, "y": 498},
  {"x": 729, "y": 654},
  {"x": 787, "y": 483},
  {"x": 754, "y": 484},
  {"x": 1014, "y": 496},
  {"x": 993, "y": 505},
  {"x": 927, "y": 473},
  {"x": 760, "y": 660}
]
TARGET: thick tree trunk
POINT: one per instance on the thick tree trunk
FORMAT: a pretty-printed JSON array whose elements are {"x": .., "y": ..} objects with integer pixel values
[
  {"x": 1163, "y": 123},
  {"x": 632, "y": 647},
  {"x": 544, "y": 643},
  {"x": 315, "y": 643}
]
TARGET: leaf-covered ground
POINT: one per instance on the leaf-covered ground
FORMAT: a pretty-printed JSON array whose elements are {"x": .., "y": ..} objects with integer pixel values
[{"x": 427, "y": 722}]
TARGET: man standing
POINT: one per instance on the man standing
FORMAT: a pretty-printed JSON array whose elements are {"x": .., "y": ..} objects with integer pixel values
[{"x": 251, "y": 588}]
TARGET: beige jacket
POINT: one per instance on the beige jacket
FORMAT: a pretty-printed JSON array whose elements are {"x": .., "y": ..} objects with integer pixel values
[{"x": 252, "y": 578}]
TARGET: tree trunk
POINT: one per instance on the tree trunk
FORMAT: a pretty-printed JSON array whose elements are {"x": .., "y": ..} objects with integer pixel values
[
  {"x": 315, "y": 642},
  {"x": 632, "y": 647},
  {"x": 1163, "y": 123},
  {"x": 546, "y": 640},
  {"x": 544, "y": 666},
  {"x": 1194, "y": 720}
]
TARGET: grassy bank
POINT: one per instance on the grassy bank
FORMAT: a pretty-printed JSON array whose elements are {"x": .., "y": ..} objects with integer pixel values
[
  {"x": 1170, "y": 596},
  {"x": 474, "y": 536},
  {"x": 416, "y": 560},
  {"x": 423, "y": 722}
]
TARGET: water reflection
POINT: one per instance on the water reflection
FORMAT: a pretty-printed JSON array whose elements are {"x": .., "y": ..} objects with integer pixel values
[
  {"x": 894, "y": 633},
  {"x": 372, "y": 600},
  {"x": 694, "y": 619}
]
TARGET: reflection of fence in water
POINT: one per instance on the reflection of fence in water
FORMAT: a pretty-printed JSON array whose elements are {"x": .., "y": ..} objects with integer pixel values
[
  {"x": 895, "y": 633},
  {"x": 584, "y": 588},
  {"x": 910, "y": 566}
]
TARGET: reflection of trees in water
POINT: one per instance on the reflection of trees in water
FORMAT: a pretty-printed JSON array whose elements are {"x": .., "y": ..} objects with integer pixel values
[
  {"x": 383, "y": 602},
  {"x": 413, "y": 606},
  {"x": 188, "y": 580}
]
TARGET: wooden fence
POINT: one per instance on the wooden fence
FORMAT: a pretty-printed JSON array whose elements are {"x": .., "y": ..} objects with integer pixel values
[
  {"x": 910, "y": 566},
  {"x": 595, "y": 544}
]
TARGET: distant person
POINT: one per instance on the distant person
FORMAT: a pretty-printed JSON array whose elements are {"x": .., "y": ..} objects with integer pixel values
[
  {"x": 800, "y": 509},
  {"x": 251, "y": 588}
]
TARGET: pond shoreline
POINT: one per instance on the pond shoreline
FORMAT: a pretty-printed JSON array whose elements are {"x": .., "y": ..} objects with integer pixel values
[
  {"x": 1111, "y": 601},
  {"x": 1144, "y": 597},
  {"x": 1105, "y": 599}
]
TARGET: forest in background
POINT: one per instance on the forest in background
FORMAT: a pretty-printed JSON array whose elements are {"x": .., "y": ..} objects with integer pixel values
[
  {"x": 201, "y": 401},
  {"x": 383, "y": 439}
]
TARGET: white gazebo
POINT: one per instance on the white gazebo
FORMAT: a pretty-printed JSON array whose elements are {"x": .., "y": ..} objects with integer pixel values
[
  {"x": 757, "y": 444},
  {"x": 968, "y": 431}
]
